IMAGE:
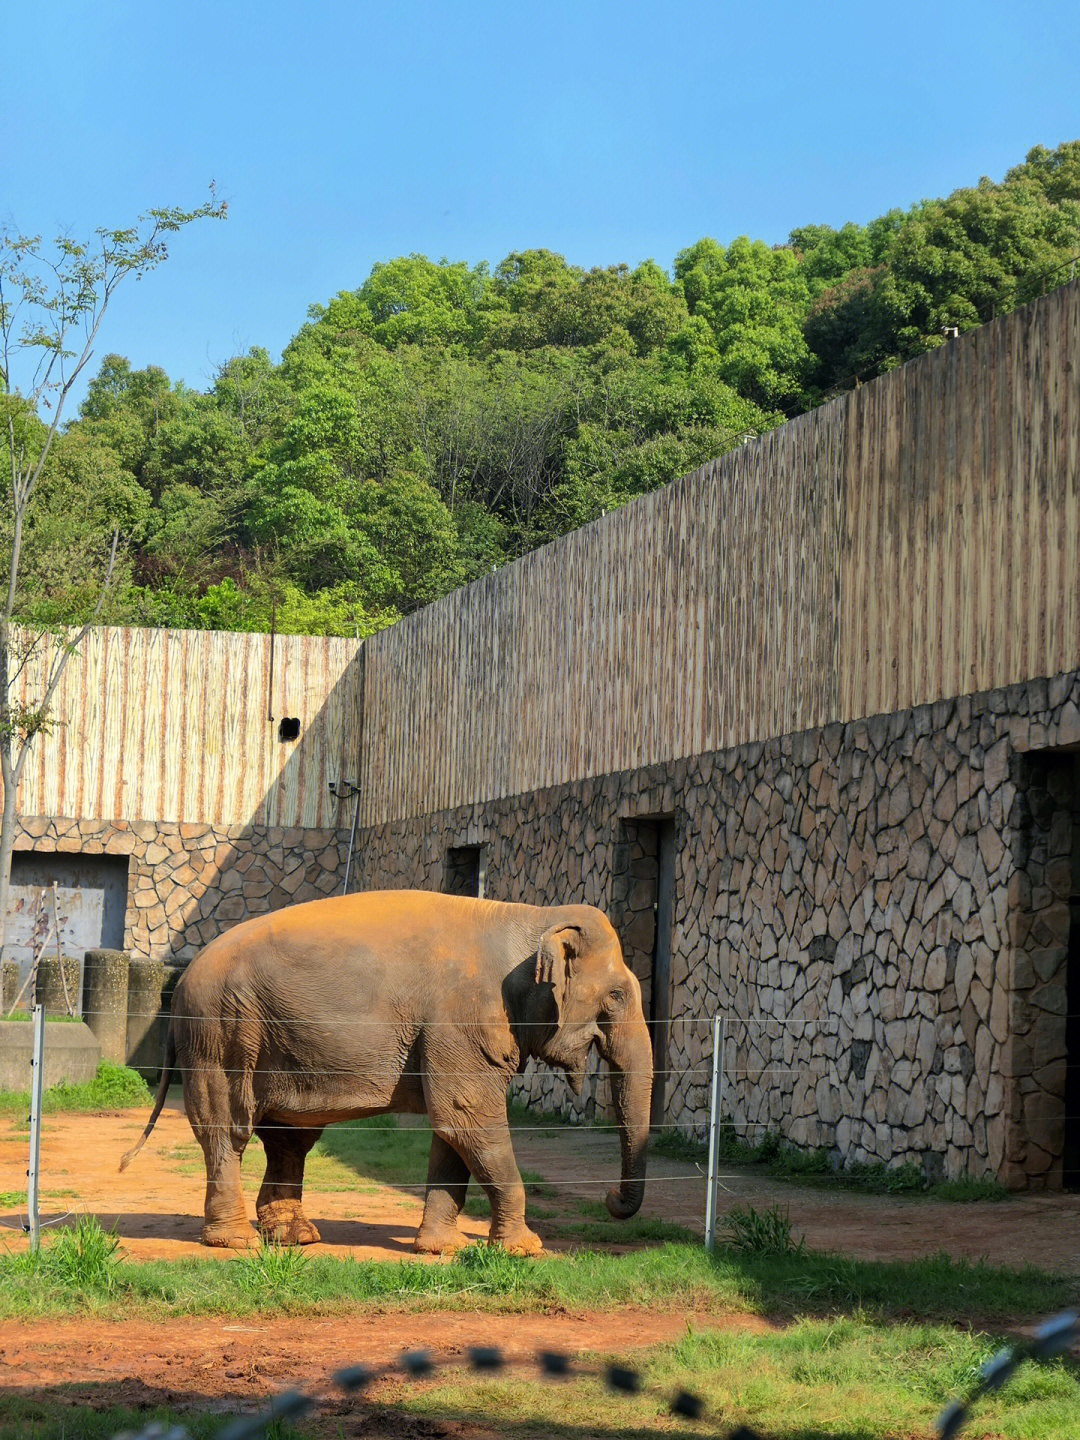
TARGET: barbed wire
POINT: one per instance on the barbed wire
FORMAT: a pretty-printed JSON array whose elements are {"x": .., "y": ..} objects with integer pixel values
[{"x": 1050, "y": 1340}]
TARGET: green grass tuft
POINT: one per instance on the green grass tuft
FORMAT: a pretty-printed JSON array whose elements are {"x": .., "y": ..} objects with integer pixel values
[
  {"x": 80, "y": 1258},
  {"x": 272, "y": 1271},
  {"x": 495, "y": 1270},
  {"x": 762, "y": 1232}
]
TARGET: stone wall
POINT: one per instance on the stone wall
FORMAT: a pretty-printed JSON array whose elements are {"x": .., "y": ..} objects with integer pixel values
[
  {"x": 188, "y": 883},
  {"x": 867, "y": 904}
]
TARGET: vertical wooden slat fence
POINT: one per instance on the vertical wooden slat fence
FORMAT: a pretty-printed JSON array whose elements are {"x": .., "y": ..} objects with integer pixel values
[
  {"x": 914, "y": 539},
  {"x": 172, "y": 725}
]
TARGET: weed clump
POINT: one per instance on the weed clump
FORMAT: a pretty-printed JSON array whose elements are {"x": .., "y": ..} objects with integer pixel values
[
  {"x": 271, "y": 1272},
  {"x": 762, "y": 1232},
  {"x": 494, "y": 1271},
  {"x": 80, "y": 1258}
]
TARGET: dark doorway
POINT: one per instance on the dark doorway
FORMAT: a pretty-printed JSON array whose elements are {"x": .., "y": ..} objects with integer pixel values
[
  {"x": 1045, "y": 1075},
  {"x": 1070, "y": 1174},
  {"x": 465, "y": 870},
  {"x": 643, "y": 902}
]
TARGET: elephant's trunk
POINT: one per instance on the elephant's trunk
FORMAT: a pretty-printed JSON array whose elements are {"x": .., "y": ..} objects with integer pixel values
[{"x": 629, "y": 1057}]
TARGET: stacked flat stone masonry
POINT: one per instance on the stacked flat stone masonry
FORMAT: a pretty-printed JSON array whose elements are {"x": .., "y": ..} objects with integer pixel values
[{"x": 875, "y": 907}]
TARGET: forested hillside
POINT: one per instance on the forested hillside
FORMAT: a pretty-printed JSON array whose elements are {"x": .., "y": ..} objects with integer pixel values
[{"x": 442, "y": 419}]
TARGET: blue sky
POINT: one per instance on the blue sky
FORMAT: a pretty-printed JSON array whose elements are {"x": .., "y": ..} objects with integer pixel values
[{"x": 343, "y": 134}]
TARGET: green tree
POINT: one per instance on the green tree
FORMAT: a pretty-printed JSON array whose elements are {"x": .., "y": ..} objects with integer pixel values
[{"x": 753, "y": 299}]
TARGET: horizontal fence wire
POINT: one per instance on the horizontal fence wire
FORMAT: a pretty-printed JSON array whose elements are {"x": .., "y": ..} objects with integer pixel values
[
  {"x": 1050, "y": 1340},
  {"x": 690, "y": 1135},
  {"x": 497, "y": 1019}
]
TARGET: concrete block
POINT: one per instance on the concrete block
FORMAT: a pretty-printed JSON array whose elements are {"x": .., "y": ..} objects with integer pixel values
[
  {"x": 72, "y": 1053},
  {"x": 146, "y": 1030},
  {"x": 105, "y": 1001},
  {"x": 51, "y": 983}
]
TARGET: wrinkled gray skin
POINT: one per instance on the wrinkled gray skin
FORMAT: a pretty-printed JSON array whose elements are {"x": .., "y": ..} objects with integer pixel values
[{"x": 399, "y": 1001}]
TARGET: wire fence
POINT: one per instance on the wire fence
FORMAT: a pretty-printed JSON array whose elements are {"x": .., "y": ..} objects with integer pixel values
[
  {"x": 711, "y": 1124},
  {"x": 1050, "y": 1340},
  {"x": 385, "y": 1079}
]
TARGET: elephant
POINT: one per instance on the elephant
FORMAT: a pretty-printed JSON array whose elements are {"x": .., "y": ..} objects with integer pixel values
[{"x": 399, "y": 1001}]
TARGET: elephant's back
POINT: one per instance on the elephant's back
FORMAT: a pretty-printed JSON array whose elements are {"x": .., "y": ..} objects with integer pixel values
[{"x": 351, "y": 950}]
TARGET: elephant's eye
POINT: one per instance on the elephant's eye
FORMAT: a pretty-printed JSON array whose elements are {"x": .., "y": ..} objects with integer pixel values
[{"x": 617, "y": 998}]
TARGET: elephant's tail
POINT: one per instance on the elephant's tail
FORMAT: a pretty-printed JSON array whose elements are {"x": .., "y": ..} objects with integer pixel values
[{"x": 159, "y": 1101}]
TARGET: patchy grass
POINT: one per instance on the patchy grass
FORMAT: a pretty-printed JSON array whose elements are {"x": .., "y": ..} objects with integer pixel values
[
  {"x": 817, "y": 1167},
  {"x": 850, "y": 1379},
  {"x": 843, "y": 1378},
  {"x": 669, "y": 1276},
  {"x": 47, "y": 1417},
  {"x": 81, "y": 1258},
  {"x": 114, "y": 1087}
]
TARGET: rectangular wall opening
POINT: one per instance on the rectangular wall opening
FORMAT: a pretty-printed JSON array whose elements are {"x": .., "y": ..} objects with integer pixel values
[
  {"x": 643, "y": 901},
  {"x": 466, "y": 870},
  {"x": 90, "y": 893},
  {"x": 1043, "y": 1143},
  {"x": 1070, "y": 1177}
]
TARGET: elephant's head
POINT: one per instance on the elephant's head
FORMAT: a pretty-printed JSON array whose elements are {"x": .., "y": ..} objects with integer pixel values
[{"x": 590, "y": 996}]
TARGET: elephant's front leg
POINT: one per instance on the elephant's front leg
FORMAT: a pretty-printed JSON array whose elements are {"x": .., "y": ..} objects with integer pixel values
[
  {"x": 279, "y": 1205},
  {"x": 447, "y": 1185},
  {"x": 487, "y": 1151}
]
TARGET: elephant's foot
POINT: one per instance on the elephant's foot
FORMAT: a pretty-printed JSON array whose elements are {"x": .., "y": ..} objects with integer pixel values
[
  {"x": 231, "y": 1235},
  {"x": 284, "y": 1222},
  {"x": 438, "y": 1240},
  {"x": 516, "y": 1239}
]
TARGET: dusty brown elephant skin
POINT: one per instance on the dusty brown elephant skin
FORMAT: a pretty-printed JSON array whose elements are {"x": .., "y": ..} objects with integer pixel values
[{"x": 399, "y": 1001}]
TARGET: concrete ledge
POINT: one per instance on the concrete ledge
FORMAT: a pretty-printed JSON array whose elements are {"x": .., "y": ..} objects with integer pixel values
[{"x": 72, "y": 1053}]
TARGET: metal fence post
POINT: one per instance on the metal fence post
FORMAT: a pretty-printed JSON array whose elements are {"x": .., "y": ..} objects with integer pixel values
[
  {"x": 714, "y": 1132},
  {"x": 37, "y": 1075}
]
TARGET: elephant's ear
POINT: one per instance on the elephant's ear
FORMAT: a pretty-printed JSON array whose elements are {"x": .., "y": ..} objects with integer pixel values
[{"x": 559, "y": 948}]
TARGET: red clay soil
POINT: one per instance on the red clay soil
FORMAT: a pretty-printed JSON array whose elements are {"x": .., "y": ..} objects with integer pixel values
[
  {"x": 157, "y": 1208},
  {"x": 214, "y": 1357}
]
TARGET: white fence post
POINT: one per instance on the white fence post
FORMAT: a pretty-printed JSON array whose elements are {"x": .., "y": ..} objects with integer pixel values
[
  {"x": 37, "y": 1074},
  {"x": 714, "y": 1131}
]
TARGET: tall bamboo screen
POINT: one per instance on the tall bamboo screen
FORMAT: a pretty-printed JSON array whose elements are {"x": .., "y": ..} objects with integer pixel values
[
  {"x": 174, "y": 725},
  {"x": 914, "y": 539}
]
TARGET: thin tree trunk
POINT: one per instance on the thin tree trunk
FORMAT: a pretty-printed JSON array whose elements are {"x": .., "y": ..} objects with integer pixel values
[{"x": 8, "y": 826}]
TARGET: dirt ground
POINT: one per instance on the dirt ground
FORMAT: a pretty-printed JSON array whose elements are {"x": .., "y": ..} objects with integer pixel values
[
  {"x": 198, "y": 1362},
  {"x": 156, "y": 1205}
]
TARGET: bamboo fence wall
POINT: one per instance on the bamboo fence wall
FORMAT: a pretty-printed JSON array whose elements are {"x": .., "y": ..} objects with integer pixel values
[
  {"x": 173, "y": 725},
  {"x": 914, "y": 539}
]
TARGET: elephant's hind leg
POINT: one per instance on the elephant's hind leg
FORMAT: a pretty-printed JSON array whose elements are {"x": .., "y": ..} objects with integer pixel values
[
  {"x": 223, "y": 1135},
  {"x": 280, "y": 1201},
  {"x": 447, "y": 1184}
]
